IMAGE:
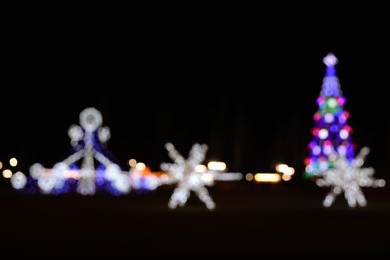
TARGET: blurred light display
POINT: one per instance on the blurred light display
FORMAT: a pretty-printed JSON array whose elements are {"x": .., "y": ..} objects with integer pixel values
[
  {"x": 143, "y": 179},
  {"x": 331, "y": 132},
  {"x": 191, "y": 176},
  {"x": 86, "y": 171},
  {"x": 348, "y": 178}
]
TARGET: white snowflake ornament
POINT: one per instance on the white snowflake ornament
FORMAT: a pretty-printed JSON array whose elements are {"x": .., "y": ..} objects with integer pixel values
[
  {"x": 349, "y": 178},
  {"x": 184, "y": 172},
  {"x": 191, "y": 176}
]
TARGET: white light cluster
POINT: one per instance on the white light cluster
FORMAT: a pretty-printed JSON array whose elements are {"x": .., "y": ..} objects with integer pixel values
[
  {"x": 349, "y": 178},
  {"x": 330, "y": 60},
  {"x": 184, "y": 173}
]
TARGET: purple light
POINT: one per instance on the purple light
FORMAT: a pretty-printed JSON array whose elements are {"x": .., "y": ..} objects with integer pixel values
[
  {"x": 320, "y": 100},
  {"x": 341, "y": 100}
]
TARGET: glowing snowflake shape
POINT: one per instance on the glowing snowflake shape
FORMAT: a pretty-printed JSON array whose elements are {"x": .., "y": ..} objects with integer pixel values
[
  {"x": 188, "y": 177},
  {"x": 349, "y": 178}
]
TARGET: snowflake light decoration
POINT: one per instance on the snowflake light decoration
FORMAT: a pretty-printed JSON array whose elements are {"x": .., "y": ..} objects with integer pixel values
[
  {"x": 87, "y": 141},
  {"x": 191, "y": 175},
  {"x": 349, "y": 178}
]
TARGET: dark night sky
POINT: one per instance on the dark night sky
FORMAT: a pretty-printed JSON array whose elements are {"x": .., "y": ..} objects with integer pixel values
[{"x": 250, "y": 95}]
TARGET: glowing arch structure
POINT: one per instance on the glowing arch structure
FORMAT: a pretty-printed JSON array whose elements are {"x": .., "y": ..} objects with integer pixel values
[{"x": 87, "y": 170}]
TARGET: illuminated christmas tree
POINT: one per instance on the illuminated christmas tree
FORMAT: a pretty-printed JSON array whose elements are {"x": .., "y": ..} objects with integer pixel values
[{"x": 331, "y": 132}]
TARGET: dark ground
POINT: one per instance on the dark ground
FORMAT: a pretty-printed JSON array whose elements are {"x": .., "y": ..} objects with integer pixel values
[{"x": 249, "y": 220}]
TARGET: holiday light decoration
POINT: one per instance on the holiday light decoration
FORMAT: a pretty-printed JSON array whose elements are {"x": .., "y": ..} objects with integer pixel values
[
  {"x": 145, "y": 180},
  {"x": 331, "y": 132},
  {"x": 78, "y": 172},
  {"x": 191, "y": 175},
  {"x": 349, "y": 177},
  {"x": 8, "y": 172}
]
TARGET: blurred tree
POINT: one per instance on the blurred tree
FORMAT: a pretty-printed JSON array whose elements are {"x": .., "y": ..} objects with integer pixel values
[{"x": 331, "y": 132}]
